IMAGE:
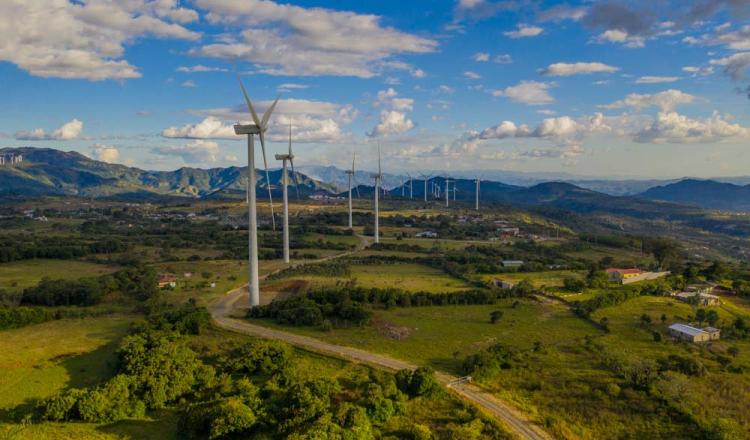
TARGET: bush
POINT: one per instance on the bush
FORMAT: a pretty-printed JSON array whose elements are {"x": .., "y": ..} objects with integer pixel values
[
  {"x": 419, "y": 382},
  {"x": 15, "y": 317},
  {"x": 259, "y": 357},
  {"x": 573, "y": 284},
  {"x": 217, "y": 419}
]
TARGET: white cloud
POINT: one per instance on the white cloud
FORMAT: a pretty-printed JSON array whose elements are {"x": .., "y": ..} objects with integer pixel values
[
  {"x": 209, "y": 128},
  {"x": 671, "y": 127},
  {"x": 389, "y": 98},
  {"x": 527, "y": 92},
  {"x": 85, "y": 40},
  {"x": 105, "y": 153},
  {"x": 283, "y": 39},
  {"x": 471, "y": 75},
  {"x": 68, "y": 131},
  {"x": 481, "y": 57},
  {"x": 189, "y": 83},
  {"x": 288, "y": 87},
  {"x": 698, "y": 70},
  {"x": 443, "y": 88},
  {"x": 312, "y": 121},
  {"x": 666, "y": 100},
  {"x": 199, "y": 68},
  {"x": 562, "y": 12},
  {"x": 503, "y": 59},
  {"x": 195, "y": 152},
  {"x": 568, "y": 69},
  {"x": 524, "y": 31},
  {"x": 738, "y": 39},
  {"x": 562, "y": 130},
  {"x": 391, "y": 122},
  {"x": 656, "y": 79},
  {"x": 621, "y": 37}
]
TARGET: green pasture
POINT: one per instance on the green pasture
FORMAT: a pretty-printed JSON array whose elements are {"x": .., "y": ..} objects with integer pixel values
[{"x": 18, "y": 275}]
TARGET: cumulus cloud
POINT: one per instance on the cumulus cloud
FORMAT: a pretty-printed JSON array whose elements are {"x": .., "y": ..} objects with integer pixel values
[
  {"x": 656, "y": 79},
  {"x": 671, "y": 127},
  {"x": 105, "y": 153},
  {"x": 288, "y": 87},
  {"x": 527, "y": 92},
  {"x": 391, "y": 122},
  {"x": 481, "y": 57},
  {"x": 199, "y": 68},
  {"x": 503, "y": 59},
  {"x": 312, "y": 121},
  {"x": 389, "y": 98},
  {"x": 284, "y": 39},
  {"x": 698, "y": 70},
  {"x": 563, "y": 130},
  {"x": 189, "y": 84},
  {"x": 524, "y": 31},
  {"x": 562, "y": 12},
  {"x": 85, "y": 40},
  {"x": 568, "y": 69},
  {"x": 666, "y": 100},
  {"x": 622, "y": 37},
  {"x": 471, "y": 75},
  {"x": 195, "y": 152},
  {"x": 481, "y": 9},
  {"x": 68, "y": 131}
]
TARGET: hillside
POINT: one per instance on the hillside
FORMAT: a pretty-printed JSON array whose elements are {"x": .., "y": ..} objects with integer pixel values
[
  {"x": 703, "y": 193},
  {"x": 46, "y": 171}
]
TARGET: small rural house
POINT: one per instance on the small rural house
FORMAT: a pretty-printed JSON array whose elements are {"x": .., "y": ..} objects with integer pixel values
[
  {"x": 167, "y": 280},
  {"x": 689, "y": 333},
  {"x": 503, "y": 284},
  {"x": 512, "y": 263},
  {"x": 426, "y": 234},
  {"x": 704, "y": 299},
  {"x": 632, "y": 275}
]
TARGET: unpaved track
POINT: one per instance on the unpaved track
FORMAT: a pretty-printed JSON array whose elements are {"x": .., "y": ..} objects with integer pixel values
[{"x": 223, "y": 307}]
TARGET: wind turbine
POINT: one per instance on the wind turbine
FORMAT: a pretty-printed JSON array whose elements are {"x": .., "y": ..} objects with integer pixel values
[
  {"x": 426, "y": 179},
  {"x": 476, "y": 202},
  {"x": 284, "y": 183},
  {"x": 259, "y": 127},
  {"x": 447, "y": 191},
  {"x": 377, "y": 178},
  {"x": 351, "y": 176},
  {"x": 411, "y": 187}
]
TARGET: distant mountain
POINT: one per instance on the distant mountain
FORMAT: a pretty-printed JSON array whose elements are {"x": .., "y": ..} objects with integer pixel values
[
  {"x": 703, "y": 193},
  {"x": 46, "y": 171}
]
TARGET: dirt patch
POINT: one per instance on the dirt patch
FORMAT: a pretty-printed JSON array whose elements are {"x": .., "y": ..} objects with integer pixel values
[
  {"x": 392, "y": 331},
  {"x": 289, "y": 288}
]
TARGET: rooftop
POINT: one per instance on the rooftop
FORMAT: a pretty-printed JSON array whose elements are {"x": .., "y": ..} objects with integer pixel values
[
  {"x": 623, "y": 271},
  {"x": 684, "y": 328}
]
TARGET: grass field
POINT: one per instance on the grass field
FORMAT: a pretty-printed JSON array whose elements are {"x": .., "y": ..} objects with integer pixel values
[
  {"x": 41, "y": 359},
  {"x": 21, "y": 274},
  {"x": 546, "y": 279}
]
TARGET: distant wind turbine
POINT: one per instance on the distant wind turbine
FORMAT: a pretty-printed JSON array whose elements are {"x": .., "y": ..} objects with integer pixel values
[
  {"x": 284, "y": 183},
  {"x": 378, "y": 177},
  {"x": 476, "y": 202},
  {"x": 351, "y": 176}
]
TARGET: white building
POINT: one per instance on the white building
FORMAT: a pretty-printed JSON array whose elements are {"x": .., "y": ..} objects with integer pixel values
[
  {"x": 512, "y": 263},
  {"x": 426, "y": 234},
  {"x": 689, "y": 333}
]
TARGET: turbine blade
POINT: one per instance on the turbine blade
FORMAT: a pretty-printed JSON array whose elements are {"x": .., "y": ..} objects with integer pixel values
[
  {"x": 290, "y": 138},
  {"x": 268, "y": 179},
  {"x": 249, "y": 104},
  {"x": 353, "y": 159},
  {"x": 267, "y": 114},
  {"x": 379, "y": 170}
]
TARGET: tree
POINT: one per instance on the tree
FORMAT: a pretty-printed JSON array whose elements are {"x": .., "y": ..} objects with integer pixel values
[
  {"x": 700, "y": 316},
  {"x": 712, "y": 317},
  {"x": 664, "y": 250},
  {"x": 645, "y": 319},
  {"x": 663, "y": 318},
  {"x": 656, "y": 335},
  {"x": 572, "y": 284},
  {"x": 734, "y": 351},
  {"x": 495, "y": 316},
  {"x": 716, "y": 271}
]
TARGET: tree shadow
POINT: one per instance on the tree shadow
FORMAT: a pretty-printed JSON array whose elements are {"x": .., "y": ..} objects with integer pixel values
[
  {"x": 449, "y": 365},
  {"x": 161, "y": 425}
]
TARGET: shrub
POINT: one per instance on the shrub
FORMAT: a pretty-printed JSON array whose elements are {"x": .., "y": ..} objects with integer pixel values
[{"x": 259, "y": 357}]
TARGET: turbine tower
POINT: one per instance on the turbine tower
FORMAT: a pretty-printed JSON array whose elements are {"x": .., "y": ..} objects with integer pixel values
[
  {"x": 259, "y": 127},
  {"x": 411, "y": 187},
  {"x": 378, "y": 177},
  {"x": 476, "y": 202},
  {"x": 284, "y": 183},
  {"x": 351, "y": 176},
  {"x": 447, "y": 191},
  {"x": 426, "y": 179}
]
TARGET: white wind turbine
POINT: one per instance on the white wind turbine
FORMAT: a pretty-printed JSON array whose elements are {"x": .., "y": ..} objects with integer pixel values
[
  {"x": 378, "y": 177},
  {"x": 259, "y": 127},
  {"x": 447, "y": 191},
  {"x": 476, "y": 202},
  {"x": 411, "y": 187},
  {"x": 351, "y": 176},
  {"x": 285, "y": 183},
  {"x": 426, "y": 179}
]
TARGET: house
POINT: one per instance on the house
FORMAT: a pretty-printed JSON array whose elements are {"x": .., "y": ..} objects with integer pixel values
[
  {"x": 512, "y": 263},
  {"x": 713, "y": 333},
  {"x": 621, "y": 275},
  {"x": 632, "y": 275},
  {"x": 704, "y": 299},
  {"x": 688, "y": 333},
  {"x": 187, "y": 274},
  {"x": 503, "y": 284},
  {"x": 426, "y": 234},
  {"x": 167, "y": 280},
  {"x": 508, "y": 231}
]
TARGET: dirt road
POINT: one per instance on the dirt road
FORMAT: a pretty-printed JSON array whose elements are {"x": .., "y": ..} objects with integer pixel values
[{"x": 222, "y": 309}]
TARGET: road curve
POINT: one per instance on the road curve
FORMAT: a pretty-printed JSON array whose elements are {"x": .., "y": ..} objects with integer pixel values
[{"x": 221, "y": 310}]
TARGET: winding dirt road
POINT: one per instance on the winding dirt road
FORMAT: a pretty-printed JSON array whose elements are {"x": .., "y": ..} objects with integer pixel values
[{"x": 222, "y": 309}]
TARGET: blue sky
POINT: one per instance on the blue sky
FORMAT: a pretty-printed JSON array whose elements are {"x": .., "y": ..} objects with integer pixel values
[{"x": 597, "y": 88}]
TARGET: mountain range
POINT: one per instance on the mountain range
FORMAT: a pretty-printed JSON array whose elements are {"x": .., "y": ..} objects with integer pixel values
[{"x": 47, "y": 171}]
